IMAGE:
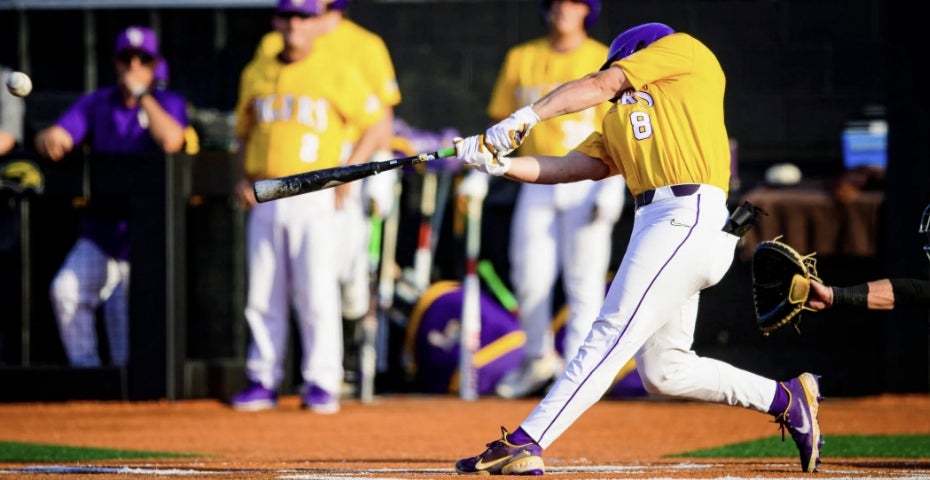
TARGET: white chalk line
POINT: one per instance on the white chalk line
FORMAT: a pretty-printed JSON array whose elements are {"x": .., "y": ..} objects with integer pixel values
[{"x": 398, "y": 473}]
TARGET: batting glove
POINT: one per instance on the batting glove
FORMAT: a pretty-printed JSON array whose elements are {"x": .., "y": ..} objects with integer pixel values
[
  {"x": 474, "y": 151},
  {"x": 510, "y": 132}
]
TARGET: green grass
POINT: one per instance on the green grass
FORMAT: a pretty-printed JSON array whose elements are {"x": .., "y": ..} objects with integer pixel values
[
  {"x": 835, "y": 446},
  {"x": 31, "y": 452}
]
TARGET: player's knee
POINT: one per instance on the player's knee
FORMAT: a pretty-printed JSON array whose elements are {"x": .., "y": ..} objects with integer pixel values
[
  {"x": 63, "y": 293},
  {"x": 666, "y": 373}
]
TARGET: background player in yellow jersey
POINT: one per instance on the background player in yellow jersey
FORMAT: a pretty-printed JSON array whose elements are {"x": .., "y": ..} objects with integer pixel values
[
  {"x": 556, "y": 229},
  {"x": 293, "y": 115},
  {"x": 362, "y": 49},
  {"x": 666, "y": 135}
]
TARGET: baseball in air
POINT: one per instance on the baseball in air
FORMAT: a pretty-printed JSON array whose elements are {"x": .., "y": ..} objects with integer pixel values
[{"x": 19, "y": 84}]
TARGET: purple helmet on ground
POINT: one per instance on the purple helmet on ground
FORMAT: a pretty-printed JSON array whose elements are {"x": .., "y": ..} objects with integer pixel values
[
  {"x": 634, "y": 39},
  {"x": 589, "y": 20}
]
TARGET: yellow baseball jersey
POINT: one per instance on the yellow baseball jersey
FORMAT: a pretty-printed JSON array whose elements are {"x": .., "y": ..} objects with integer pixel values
[
  {"x": 531, "y": 70},
  {"x": 669, "y": 128},
  {"x": 296, "y": 116},
  {"x": 356, "y": 46}
]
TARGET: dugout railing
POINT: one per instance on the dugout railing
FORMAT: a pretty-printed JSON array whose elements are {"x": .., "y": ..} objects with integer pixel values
[{"x": 43, "y": 228}]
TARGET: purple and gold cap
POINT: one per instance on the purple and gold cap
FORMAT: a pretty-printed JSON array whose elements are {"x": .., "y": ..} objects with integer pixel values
[
  {"x": 137, "y": 38},
  {"x": 300, "y": 7}
]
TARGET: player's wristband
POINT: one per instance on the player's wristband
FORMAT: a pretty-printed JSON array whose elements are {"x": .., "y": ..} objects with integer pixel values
[
  {"x": 854, "y": 296},
  {"x": 141, "y": 93}
]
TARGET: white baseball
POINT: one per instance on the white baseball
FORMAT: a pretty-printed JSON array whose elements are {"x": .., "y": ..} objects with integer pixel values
[{"x": 19, "y": 84}]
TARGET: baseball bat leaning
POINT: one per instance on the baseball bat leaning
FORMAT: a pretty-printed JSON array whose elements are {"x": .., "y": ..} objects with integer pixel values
[
  {"x": 283, "y": 187},
  {"x": 471, "y": 305},
  {"x": 368, "y": 353},
  {"x": 423, "y": 256}
]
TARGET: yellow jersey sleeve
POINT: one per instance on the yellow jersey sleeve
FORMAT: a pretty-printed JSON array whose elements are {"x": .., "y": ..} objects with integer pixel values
[
  {"x": 373, "y": 59},
  {"x": 271, "y": 44},
  {"x": 533, "y": 69}
]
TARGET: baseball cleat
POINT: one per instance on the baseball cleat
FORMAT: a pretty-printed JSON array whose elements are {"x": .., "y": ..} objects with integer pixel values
[
  {"x": 504, "y": 458},
  {"x": 254, "y": 397},
  {"x": 319, "y": 401},
  {"x": 800, "y": 418}
]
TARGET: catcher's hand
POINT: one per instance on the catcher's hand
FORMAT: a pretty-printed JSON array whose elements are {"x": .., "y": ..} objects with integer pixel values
[{"x": 781, "y": 283}]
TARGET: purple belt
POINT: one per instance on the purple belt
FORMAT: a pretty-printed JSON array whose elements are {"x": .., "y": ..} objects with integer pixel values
[{"x": 682, "y": 190}]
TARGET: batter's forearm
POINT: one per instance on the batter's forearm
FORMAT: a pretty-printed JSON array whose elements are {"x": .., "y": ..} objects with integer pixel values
[
  {"x": 578, "y": 95},
  {"x": 544, "y": 169}
]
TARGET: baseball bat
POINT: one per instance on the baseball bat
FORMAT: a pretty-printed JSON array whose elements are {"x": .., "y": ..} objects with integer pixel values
[
  {"x": 283, "y": 187},
  {"x": 368, "y": 354},
  {"x": 497, "y": 286},
  {"x": 471, "y": 305},
  {"x": 423, "y": 257}
]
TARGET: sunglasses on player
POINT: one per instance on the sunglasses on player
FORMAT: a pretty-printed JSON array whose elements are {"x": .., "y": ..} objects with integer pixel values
[
  {"x": 126, "y": 57},
  {"x": 289, "y": 15}
]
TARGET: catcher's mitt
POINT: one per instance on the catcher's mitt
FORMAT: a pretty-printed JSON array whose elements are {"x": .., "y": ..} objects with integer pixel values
[{"x": 780, "y": 283}]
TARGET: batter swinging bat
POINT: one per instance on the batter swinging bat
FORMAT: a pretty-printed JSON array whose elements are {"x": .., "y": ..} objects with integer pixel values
[{"x": 283, "y": 187}]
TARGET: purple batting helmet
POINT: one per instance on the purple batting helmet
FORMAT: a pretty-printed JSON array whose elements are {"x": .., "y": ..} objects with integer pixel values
[
  {"x": 338, "y": 5},
  {"x": 433, "y": 340},
  {"x": 593, "y": 5},
  {"x": 635, "y": 39}
]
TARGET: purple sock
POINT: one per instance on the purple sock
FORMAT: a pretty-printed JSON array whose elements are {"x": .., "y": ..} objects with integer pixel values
[
  {"x": 780, "y": 402},
  {"x": 520, "y": 437}
]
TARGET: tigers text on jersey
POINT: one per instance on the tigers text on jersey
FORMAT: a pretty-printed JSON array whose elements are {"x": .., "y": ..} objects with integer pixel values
[
  {"x": 669, "y": 129},
  {"x": 351, "y": 43},
  {"x": 531, "y": 70},
  {"x": 296, "y": 116}
]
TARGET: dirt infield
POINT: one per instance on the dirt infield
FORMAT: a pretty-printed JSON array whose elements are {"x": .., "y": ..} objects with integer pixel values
[{"x": 419, "y": 437}]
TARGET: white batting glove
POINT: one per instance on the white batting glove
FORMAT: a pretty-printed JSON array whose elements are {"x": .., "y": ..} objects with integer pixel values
[
  {"x": 475, "y": 185},
  {"x": 474, "y": 152},
  {"x": 510, "y": 132}
]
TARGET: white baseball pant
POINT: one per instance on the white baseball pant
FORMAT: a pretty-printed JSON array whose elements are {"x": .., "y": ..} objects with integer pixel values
[
  {"x": 676, "y": 249},
  {"x": 87, "y": 278},
  {"x": 292, "y": 262},
  {"x": 553, "y": 233}
]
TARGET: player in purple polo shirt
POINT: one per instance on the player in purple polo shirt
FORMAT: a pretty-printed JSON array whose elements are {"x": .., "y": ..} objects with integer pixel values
[{"x": 128, "y": 117}]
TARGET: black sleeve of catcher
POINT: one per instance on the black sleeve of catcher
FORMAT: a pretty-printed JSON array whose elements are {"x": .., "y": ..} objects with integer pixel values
[{"x": 911, "y": 292}]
